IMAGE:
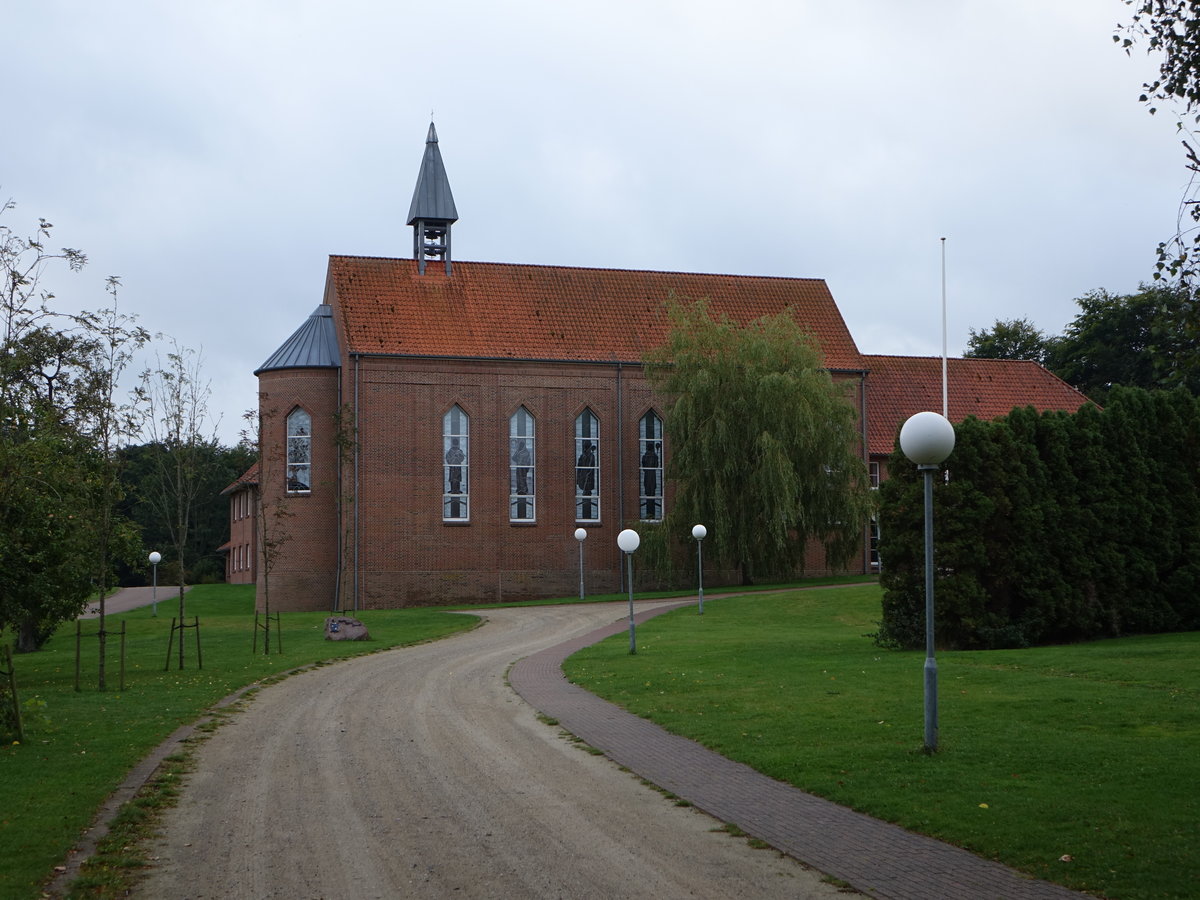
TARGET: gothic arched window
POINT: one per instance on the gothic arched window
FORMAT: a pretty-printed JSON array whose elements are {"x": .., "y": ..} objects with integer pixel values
[
  {"x": 650, "y": 454},
  {"x": 456, "y": 451},
  {"x": 299, "y": 452},
  {"x": 522, "y": 447},
  {"x": 587, "y": 467}
]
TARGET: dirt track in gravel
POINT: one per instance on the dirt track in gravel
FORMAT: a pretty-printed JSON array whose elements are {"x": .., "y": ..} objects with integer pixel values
[{"x": 420, "y": 773}]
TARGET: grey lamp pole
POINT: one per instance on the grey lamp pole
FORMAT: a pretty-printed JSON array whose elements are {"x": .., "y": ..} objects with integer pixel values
[
  {"x": 927, "y": 439},
  {"x": 629, "y": 540},
  {"x": 699, "y": 532},
  {"x": 155, "y": 559},
  {"x": 581, "y": 536}
]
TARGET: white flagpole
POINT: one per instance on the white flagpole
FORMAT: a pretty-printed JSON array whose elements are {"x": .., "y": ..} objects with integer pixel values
[{"x": 945, "y": 394}]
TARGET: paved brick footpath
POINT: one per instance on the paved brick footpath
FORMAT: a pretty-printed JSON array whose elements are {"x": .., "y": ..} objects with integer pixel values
[{"x": 874, "y": 857}]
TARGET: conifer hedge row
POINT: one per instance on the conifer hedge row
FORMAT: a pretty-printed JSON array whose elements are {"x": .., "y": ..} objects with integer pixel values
[{"x": 1051, "y": 528}]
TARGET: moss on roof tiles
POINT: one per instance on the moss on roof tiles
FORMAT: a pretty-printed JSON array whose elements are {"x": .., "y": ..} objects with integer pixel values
[{"x": 499, "y": 310}]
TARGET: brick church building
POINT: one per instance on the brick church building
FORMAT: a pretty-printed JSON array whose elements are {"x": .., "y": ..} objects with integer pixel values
[{"x": 437, "y": 430}]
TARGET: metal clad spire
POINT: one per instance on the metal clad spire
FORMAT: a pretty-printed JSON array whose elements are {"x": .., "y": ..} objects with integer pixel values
[{"x": 432, "y": 210}]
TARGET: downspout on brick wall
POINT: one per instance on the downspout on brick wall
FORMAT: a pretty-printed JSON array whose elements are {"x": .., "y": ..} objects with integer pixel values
[
  {"x": 866, "y": 452},
  {"x": 341, "y": 505},
  {"x": 620, "y": 463},
  {"x": 357, "y": 362}
]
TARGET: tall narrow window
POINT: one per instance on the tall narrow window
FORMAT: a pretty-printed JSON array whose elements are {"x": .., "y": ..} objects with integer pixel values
[
  {"x": 650, "y": 452},
  {"x": 522, "y": 446},
  {"x": 587, "y": 467},
  {"x": 299, "y": 452},
  {"x": 456, "y": 447}
]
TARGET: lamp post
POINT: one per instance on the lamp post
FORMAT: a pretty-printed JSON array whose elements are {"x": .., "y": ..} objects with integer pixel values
[
  {"x": 581, "y": 536},
  {"x": 927, "y": 439},
  {"x": 699, "y": 532},
  {"x": 155, "y": 558},
  {"x": 629, "y": 540}
]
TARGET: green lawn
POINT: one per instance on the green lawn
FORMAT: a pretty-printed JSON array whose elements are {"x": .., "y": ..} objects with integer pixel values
[
  {"x": 1079, "y": 764},
  {"x": 79, "y": 746},
  {"x": 1087, "y": 752}
]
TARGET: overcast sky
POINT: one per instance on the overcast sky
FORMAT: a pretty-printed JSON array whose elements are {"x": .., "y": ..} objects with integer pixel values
[{"x": 214, "y": 154}]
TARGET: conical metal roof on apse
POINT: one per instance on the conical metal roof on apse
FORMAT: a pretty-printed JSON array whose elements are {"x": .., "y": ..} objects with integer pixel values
[{"x": 313, "y": 346}]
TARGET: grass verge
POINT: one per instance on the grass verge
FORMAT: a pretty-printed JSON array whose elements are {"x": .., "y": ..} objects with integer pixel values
[
  {"x": 79, "y": 746},
  {"x": 1077, "y": 764}
]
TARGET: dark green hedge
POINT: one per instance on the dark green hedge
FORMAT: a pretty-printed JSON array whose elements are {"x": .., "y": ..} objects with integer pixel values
[{"x": 1052, "y": 528}]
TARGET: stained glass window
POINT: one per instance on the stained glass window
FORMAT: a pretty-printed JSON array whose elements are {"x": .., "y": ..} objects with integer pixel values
[
  {"x": 522, "y": 447},
  {"x": 650, "y": 453},
  {"x": 456, "y": 447},
  {"x": 299, "y": 452},
  {"x": 587, "y": 467}
]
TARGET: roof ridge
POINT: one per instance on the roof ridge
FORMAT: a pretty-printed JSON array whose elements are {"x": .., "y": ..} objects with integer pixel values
[
  {"x": 971, "y": 359},
  {"x": 512, "y": 265}
]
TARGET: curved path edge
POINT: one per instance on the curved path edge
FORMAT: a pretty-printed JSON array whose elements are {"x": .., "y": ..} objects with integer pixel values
[{"x": 872, "y": 856}]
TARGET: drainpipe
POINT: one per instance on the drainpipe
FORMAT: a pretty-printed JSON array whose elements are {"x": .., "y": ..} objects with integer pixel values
[
  {"x": 866, "y": 451},
  {"x": 341, "y": 506},
  {"x": 357, "y": 362},
  {"x": 621, "y": 461}
]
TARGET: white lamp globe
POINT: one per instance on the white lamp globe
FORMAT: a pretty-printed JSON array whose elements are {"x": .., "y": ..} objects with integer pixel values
[
  {"x": 580, "y": 534},
  {"x": 927, "y": 438},
  {"x": 699, "y": 532},
  {"x": 155, "y": 558},
  {"x": 628, "y": 540}
]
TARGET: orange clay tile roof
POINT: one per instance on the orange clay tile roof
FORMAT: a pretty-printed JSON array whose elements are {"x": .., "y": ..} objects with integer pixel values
[
  {"x": 500, "y": 310},
  {"x": 246, "y": 479},
  {"x": 899, "y": 386}
]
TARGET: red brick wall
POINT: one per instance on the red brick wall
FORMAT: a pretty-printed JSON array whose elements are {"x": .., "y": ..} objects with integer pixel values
[
  {"x": 394, "y": 533},
  {"x": 241, "y": 562},
  {"x": 409, "y": 556},
  {"x": 304, "y": 574}
]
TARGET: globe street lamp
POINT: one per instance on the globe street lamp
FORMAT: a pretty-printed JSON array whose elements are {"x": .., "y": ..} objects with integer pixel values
[
  {"x": 927, "y": 439},
  {"x": 155, "y": 558},
  {"x": 581, "y": 536},
  {"x": 699, "y": 532},
  {"x": 628, "y": 540}
]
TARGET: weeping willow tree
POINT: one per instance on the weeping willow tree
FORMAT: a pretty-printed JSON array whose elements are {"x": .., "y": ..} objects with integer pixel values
[{"x": 764, "y": 445}]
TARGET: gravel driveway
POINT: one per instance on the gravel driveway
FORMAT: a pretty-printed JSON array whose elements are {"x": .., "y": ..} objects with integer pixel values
[{"x": 419, "y": 773}]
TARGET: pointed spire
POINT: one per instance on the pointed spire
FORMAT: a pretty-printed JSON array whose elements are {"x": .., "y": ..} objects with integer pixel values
[{"x": 432, "y": 210}]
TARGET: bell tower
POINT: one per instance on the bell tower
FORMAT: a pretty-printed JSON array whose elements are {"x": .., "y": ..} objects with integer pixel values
[{"x": 432, "y": 210}]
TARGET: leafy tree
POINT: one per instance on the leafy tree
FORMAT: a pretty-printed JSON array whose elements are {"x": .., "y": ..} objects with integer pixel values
[
  {"x": 1010, "y": 339},
  {"x": 46, "y": 563},
  {"x": 47, "y": 465},
  {"x": 1135, "y": 340},
  {"x": 763, "y": 442},
  {"x": 1170, "y": 31}
]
